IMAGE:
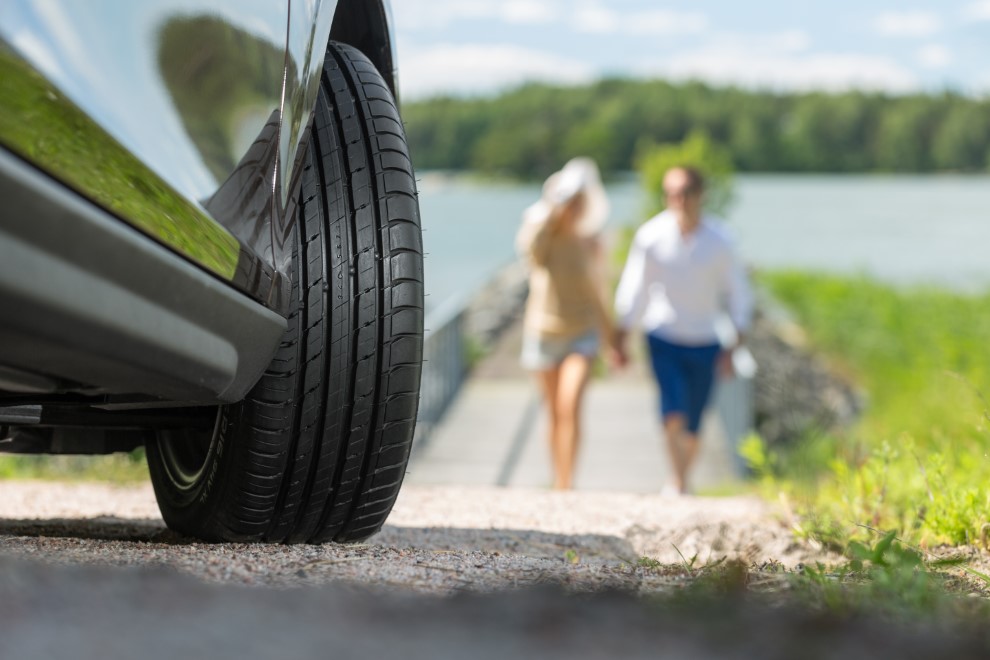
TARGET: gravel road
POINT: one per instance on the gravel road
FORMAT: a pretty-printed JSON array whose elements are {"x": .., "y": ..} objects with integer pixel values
[
  {"x": 90, "y": 571},
  {"x": 438, "y": 540}
]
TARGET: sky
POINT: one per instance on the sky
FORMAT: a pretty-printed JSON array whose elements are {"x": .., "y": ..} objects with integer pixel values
[{"x": 471, "y": 47}]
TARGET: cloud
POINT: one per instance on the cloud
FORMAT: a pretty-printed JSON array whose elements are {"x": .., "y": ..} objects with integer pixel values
[
  {"x": 661, "y": 22},
  {"x": 907, "y": 24},
  {"x": 411, "y": 15},
  {"x": 594, "y": 18},
  {"x": 524, "y": 12},
  {"x": 777, "y": 60},
  {"x": 591, "y": 16},
  {"x": 474, "y": 69},
  {"x": 782, "y": 43},
  {"x": 977, "y": 11},
  {"x": 791, "y": 41},
  {"x": 934, "y": 56},
  {"x": 766, "y": 70}
]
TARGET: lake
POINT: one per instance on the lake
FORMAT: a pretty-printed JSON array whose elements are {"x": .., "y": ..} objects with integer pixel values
[{"x": 901, "y": 229}]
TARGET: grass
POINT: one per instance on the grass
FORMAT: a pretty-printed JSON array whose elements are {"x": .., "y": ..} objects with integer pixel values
[
  {"x": 918, "y": 460},
  {"x": 115, "y": 468}
]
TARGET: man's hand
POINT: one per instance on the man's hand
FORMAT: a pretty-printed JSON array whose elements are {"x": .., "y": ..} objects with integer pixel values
[{"x": 725, "y": 368}]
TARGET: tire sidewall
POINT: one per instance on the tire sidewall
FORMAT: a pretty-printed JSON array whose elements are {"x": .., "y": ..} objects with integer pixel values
[{"x": 193, "y": 511}]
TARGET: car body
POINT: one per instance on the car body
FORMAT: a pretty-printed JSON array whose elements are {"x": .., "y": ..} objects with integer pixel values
[
  {"x": 152, "y": 157},
  {"x": 211, "y": 148}
]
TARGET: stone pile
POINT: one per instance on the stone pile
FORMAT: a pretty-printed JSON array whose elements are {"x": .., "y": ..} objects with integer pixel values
[{"x": 795, "y": 391}]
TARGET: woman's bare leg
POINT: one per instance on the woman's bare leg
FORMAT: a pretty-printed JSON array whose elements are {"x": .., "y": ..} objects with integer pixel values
[
  {"x": 549, "y": 381},
  {"x": 574, "y": 373}
]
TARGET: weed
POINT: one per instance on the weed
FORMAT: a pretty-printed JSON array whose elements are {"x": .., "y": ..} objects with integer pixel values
[
  {"x": 688, "y": 565},
  {"x": 760, "y": 461},
  {"x": 887, "y": 577}
]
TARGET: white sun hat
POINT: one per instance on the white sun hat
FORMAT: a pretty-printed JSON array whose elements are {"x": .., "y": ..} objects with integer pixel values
[{"x": 577, "y": 176}]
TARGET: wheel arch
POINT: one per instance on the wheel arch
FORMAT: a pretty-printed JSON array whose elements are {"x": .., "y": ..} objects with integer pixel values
[{"x": 368, "y": 26}]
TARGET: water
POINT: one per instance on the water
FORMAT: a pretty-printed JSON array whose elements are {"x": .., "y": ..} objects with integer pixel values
[{"x": 900, "y": 229}]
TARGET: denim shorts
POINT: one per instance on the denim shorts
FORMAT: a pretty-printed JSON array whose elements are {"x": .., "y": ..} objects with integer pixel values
[
  {"x": 542, "y": 353},
  {"x": 686, "y": 375}
]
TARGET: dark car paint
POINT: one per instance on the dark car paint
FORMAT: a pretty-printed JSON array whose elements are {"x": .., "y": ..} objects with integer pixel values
[{"x": 202, "y": 152}]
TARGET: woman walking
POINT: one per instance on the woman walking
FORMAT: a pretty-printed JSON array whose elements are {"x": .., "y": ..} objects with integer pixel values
[{"x": 566, "y": 312}]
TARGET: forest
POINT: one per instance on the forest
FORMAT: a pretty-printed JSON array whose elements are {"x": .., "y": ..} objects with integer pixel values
[{"x": 528, "y": 131}]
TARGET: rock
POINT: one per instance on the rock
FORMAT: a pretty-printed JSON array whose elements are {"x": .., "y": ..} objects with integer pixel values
[{"x": 795, "y": 392}]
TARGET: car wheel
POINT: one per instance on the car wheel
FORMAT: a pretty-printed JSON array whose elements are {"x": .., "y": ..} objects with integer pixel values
[{"x": 318, "y": 449}]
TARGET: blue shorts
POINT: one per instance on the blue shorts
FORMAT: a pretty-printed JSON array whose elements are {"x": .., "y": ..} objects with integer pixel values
[
  {"x": 542, "y": 353},
  {"x": 685, "y": 375}
]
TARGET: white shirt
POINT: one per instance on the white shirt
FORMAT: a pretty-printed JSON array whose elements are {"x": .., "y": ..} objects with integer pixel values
[{"x": 679, "y": 287}]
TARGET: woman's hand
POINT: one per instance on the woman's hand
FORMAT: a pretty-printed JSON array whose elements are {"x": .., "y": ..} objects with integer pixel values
[{"x": 617, "y": 355}]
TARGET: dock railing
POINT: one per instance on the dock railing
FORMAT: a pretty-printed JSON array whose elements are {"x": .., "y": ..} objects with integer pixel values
[{"x": 445, "y": 364}]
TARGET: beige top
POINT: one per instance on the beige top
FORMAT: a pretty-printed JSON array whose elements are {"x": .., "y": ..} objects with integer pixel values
[{"x": 565, "y": 297}]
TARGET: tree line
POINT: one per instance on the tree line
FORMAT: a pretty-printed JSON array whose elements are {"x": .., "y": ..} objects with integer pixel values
[{"x": 529, "y": 131}]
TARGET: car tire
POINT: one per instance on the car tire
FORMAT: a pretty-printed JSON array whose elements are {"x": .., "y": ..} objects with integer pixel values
[{"x": 318, "y": 449}]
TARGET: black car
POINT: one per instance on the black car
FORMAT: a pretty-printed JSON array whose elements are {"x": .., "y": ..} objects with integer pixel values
[{"x": 210, "y": 246}]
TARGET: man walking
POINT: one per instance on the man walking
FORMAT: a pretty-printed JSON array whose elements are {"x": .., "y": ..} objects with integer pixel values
[{"x": 681, "y": 276}]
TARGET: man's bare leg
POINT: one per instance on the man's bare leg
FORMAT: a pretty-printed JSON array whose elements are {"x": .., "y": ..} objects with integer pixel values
[
  {"x": 674, "y": 430},
  {"x": 689, "y": 452}
]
